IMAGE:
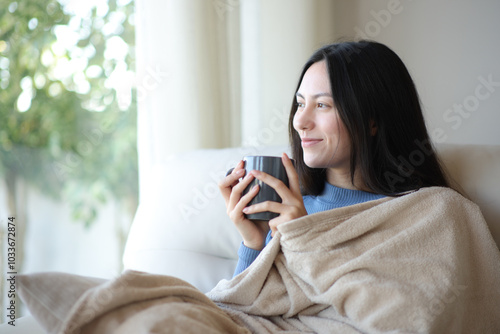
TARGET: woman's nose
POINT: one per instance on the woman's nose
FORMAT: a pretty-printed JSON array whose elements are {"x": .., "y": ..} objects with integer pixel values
[{"x": 303, "y": 120}]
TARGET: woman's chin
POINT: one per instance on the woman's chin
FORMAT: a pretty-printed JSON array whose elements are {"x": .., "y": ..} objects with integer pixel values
[{"x": 313, "y": 164}]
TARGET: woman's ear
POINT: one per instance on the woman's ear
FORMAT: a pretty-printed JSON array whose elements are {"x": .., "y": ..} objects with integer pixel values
[{"x": 373, "y": 128}]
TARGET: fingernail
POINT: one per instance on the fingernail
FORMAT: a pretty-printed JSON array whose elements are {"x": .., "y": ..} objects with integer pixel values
[
  {"x": 240, "y": 172},
  {"x": 255, "y": 187},
  {"x": 245, "y": 210}
]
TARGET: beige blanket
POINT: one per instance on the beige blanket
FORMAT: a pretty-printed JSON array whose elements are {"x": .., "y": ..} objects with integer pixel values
[
  {"x": 140, "y": 303},
  {"x": 424, "y": 262}
]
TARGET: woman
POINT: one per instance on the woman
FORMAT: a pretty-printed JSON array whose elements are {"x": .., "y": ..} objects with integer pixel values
[
  {"x": 355, "y": 123},
  {"x": 400, "y": 252}
]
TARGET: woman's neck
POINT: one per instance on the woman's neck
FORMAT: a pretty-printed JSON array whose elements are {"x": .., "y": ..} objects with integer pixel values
[{"x": 342, "y": 178}]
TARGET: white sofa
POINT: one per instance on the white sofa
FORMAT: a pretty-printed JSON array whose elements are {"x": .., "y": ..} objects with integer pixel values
[{"x": 181, "y": 227}]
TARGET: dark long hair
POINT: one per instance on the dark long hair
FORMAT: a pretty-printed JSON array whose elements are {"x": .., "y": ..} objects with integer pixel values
[{"x": 371, "y": 85}]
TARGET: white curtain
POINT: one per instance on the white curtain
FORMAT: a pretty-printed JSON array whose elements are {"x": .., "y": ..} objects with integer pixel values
[{"x": 220, "y": 73}]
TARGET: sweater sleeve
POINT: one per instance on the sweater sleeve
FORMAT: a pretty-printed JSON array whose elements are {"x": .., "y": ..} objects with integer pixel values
[{"x": 246, "y": 256}]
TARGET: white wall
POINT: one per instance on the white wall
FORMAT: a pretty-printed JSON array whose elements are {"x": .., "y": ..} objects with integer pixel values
[{"x": 451, "y": 48}]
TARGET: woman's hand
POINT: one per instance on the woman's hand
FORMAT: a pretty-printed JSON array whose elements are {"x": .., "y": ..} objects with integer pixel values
[
  {"x": 253, "y": 232},
  {"x": 292, "y": 205}
]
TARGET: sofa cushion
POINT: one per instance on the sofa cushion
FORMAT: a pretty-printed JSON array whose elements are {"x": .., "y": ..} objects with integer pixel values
[{"x": 476, "y": 168}]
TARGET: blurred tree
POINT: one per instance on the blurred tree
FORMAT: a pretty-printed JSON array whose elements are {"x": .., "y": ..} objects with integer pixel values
[
  {"x": 67, "y": 121},
  {"x": 61, "y": 121}
]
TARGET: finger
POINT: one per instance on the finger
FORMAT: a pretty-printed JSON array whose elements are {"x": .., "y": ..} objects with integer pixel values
[
  {"x": 293, "y": 177},
  {"x": 274, "y": 223},
  {"x": 263, "y": 207},
  {"x": 231, "y": 180},
  {"x": 236, "y": 191},
  {"x": 238, "y": 172},
  {"x": 286, "y": 212},
  {"x": 245, "y": 199},
  {"x": 282, "y": 190},
  {"x": 237, "y": 169},
  {"x": 235, "y": 174},
  {"x": 239, "y": 166}
]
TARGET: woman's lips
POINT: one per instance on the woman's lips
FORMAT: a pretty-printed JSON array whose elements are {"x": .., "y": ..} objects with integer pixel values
[{"x": 308, "y": 142}]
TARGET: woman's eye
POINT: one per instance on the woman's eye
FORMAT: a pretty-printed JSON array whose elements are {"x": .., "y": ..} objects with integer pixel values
[
  {"x": 321, "y": 105},
  {"x": 300, "y": 105}
]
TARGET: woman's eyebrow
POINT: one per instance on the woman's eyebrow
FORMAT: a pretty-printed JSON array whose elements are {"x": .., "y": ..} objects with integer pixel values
[{"x": 315, "y": 96}]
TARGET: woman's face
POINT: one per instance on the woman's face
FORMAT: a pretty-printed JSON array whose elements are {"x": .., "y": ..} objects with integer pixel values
[{"x": 324, "y": 137}]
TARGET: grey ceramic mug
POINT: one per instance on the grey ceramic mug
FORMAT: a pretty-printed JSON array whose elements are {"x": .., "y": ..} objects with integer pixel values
[{"x": 272, "y": 166}]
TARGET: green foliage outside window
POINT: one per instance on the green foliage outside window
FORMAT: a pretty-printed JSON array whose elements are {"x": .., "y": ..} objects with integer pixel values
[{"x": 67, "y": 105}]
